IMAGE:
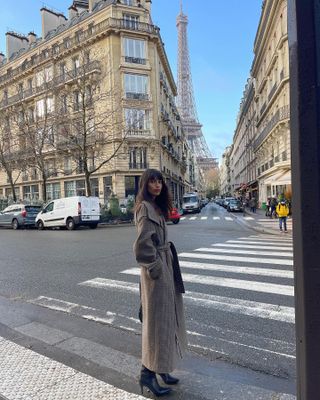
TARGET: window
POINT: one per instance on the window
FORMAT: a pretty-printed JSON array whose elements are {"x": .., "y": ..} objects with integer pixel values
[
  {"x": 136, "y": 86},
  {"x": 50, "y": 105},
  {"x": 30, "y": 84},
  {"x": 138, "y": 158},
  {"x": 49, "y": 207},
  {"x": 137, "y": 119},
  {"x": 134, "y": 51},
  {"x": 107, "y": 185},
  {"x": 67, "y": 165},
  {"x": 63, "y": 69},
  {"x": 80, "y": 188},
  {"x": 40, "y": 107},
  {"x": 30, "y": 192},
  {"x": 80, "y": 166},
  {"x": 76, "y": 64},
  {"x": 76, "y": 100},
  {"x": 128, "y": 2},
  {"x": 64, "y": 104},
  {"x": 53, "y": 191},
  {"x": 94, "y": 187},
  {"x": 70, "y": 189},
  {"x": 131, "y": 21},
  {"x": 48, "y": 74}
]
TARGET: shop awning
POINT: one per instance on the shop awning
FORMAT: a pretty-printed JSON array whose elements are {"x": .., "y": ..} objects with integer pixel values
[
  {"x": 285, "y": 179},
  {"x": 282, "y": 177}
]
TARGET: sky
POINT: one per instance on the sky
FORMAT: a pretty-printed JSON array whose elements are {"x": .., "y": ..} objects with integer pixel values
[{"x": 220, "y": 36}]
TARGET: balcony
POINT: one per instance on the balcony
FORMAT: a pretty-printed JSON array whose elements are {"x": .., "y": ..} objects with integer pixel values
[
  {"x": 138, "y": 165},
  {"x": 137, "y": 96},
  {"x": 135, "y": 60},
  {"x": 282, "y": 114},
  {"x": 138, "y": 133},
  {"x": 89, "y": 68},
  {"x": 272, "y": 91},
  {"x": 102, "y": 27}
]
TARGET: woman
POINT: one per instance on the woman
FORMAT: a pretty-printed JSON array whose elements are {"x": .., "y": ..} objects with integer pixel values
[{"x": 163, "y": 327}]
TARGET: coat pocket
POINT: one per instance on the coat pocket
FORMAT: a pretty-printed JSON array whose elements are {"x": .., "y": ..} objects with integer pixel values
[{"x": 155, "y": 269}]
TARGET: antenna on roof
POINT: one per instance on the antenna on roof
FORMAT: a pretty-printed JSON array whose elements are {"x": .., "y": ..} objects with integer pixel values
[{"x": 181, "y": 9}]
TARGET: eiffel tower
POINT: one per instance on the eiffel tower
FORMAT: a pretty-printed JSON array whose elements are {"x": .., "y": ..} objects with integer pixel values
[{"x": 185, "y": 100}]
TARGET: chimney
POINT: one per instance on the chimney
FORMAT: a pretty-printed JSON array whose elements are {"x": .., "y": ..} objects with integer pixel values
[
  {"x": 73, "y": 12},
  {"x": 92, "y": 4},
  {"x": 147, "y": 5},
  {"x": 1, "y": 58},
  {"x": 50, "y": 20},
  {"x": 81, "y": 5},
  {"x": 32, "y": 37},
  {"x": 15, "y": 42}
]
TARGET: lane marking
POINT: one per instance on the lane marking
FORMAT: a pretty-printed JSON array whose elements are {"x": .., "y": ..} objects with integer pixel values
[
  {"x": 268, "y": 239},
  {"x": 269, "y": 244},
  {"x": 238, "y": 270},
  {"x": 221, "y": 303},
  {"x": 204, "y": 218},
  {"x": 192, "y": 218},
  {"x": 251, "y": 252},
  {"x": 264, "y": 287},
  {"x": 182, "y": 218},
  {"x": 245, "y": 246},
  {"x": 216, "y": 218},
  {"x": 228, "y": 218},
  {"x": 248, "y": 218},
  {"x": 240, "y": 259}
]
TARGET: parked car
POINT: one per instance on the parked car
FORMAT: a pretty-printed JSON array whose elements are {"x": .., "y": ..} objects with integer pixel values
[
  {"x": 235, "y": 205},
  {"x": 19, "y": 215},
  {"x": 175, "y": 216},
  {"x": 226, "y": 201},
  {"x": 70, "y": 212},
  {"x": 191, "y": 203}
]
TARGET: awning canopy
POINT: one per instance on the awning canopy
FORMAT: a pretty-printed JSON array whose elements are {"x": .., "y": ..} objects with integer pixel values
[{"x": 282, "y": 177}]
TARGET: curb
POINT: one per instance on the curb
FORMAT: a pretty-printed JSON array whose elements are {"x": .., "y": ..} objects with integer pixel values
[
  {"x": 115, "y": 225},
  {"x": 256, "y": 228}
]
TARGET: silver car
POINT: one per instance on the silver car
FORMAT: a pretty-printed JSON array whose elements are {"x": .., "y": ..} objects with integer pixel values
[{"x": 19, "y": 215}]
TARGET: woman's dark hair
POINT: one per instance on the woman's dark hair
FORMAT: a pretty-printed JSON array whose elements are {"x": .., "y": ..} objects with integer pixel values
[{"x": 163, "y": 201}]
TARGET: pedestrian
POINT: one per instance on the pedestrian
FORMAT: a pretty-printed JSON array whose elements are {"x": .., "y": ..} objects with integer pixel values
[
  {"x": 253, "y": 204},
  {"x": 268, "y": 207},
  {"x": 273, "y": 203},
  {"x": 283, "y": 212},
  {"x": 163, "y": 323}
]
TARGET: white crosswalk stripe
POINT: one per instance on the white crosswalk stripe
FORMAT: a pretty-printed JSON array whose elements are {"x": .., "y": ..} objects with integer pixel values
[
  {"x": 204, "y": 218},
  {"x": 248, "y": 277},
  {"x": 248, "y": 218},
  {"x": 228, "y": 218},
  {"x": 251, "y": 252},
  {"x": 228, "y": 282},
  {"x": 192, "y": 218},
  {"x": 216, "y": 218}
]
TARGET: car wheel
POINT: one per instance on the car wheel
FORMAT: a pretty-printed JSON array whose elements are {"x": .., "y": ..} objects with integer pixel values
[
  {"x": 71, "y": 226},
  {"x": 40, "y": 225},
  {"x": 93, "y": 226},
  {"x": 176, "y": 221},
  {"x": 15, "y": 224}
]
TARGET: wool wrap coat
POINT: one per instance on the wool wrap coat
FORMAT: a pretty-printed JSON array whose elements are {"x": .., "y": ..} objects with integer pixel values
[{"x": 163, "y": 326}]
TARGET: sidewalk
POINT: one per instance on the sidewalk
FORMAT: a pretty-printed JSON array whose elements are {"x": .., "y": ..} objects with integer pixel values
[
  {"x": 45, "y": 357},
  {"x": 262, "y": 224}
]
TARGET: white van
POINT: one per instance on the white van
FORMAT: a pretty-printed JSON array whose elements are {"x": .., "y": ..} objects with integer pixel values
[
  {"x": 191, "y": 203},
  {"x": 70, "y": 212}
]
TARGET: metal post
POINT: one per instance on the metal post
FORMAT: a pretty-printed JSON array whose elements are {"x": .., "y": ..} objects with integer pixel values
[{"x": 304, "y": 46}]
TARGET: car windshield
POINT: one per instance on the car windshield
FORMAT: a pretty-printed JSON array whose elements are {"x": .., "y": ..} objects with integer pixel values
[
  {"x": 190, "y": 199},
  {"x": 235, "y": 202},
  {"x": 34, "y": 209}
]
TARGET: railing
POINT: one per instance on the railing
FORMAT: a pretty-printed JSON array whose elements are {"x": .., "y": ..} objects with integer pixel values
[
  {"x": 107, "y": 24},
  {"x": 135, "y": 60},
  {"x": 137, "y": 96},
  {"x": 60, "y": 79},
  {"x": 281, "y": 115},
  {"x": 138, "y": 132},
  {"x": 272, "y": 91},
  {"x": 138, "y": 165}
]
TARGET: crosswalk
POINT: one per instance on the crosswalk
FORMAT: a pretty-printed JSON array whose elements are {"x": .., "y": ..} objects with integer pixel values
[
  {"x": 206, "y": 218},
  {"x": 236, "y": 291}
]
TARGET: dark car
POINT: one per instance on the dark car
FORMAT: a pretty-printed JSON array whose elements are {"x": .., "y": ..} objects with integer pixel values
[
  {"x": 235, "y": 205},
  {"x": 19, "y": 215}
]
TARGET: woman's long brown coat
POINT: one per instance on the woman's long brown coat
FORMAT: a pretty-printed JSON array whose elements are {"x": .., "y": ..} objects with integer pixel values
[{"x": 163, "y": 327}]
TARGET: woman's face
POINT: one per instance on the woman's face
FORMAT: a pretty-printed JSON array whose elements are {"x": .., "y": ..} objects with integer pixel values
[{"x": 154, "y": 187}]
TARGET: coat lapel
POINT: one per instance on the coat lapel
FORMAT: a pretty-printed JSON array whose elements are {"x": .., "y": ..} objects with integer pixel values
[{"x": 152, "y": 213}]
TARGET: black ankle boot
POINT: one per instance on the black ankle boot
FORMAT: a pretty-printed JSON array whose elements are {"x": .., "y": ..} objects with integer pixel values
[
  {"x": 148, "y": 379},
  {"x": 168, "y": 379}
]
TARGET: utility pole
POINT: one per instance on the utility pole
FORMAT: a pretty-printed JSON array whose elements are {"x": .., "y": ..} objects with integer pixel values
[{"x": 304, "y": 47}]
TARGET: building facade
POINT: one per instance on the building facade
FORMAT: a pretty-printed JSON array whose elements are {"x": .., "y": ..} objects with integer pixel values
[
  {"x": 270, "y": 71},
  {"x": 97, "y": 92},
  {"x": 225, "y": 172},
  {"x": 260, "y": 160}
]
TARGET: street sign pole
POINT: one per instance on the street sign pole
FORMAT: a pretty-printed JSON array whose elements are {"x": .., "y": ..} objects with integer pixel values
[{"x": 304, "y": 51}]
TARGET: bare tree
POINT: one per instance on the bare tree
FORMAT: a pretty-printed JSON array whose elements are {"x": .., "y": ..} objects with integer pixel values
[
  {"x": 10, "y": 161},
  {"x": 90, "y": 124},
  {"x": 34, "y": 125}
]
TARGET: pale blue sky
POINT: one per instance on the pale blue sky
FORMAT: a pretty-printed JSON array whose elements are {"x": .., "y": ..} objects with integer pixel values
[{"x": 221, "y": 35}]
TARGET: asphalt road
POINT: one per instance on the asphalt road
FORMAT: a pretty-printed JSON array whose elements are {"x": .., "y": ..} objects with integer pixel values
[{"x": 239, "y": 305}]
